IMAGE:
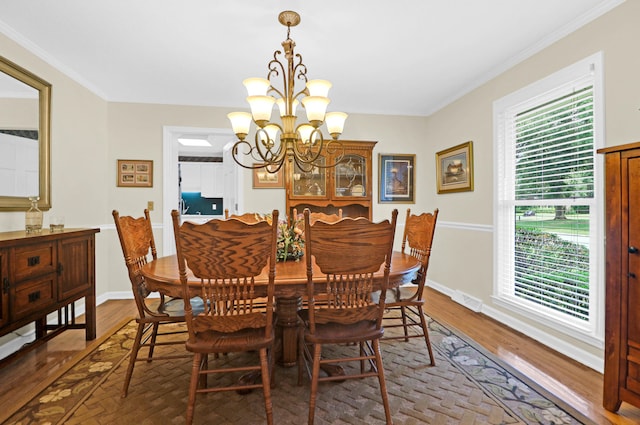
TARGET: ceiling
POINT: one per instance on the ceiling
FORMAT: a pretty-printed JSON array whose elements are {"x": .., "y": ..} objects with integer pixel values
[{"x": 405, "y": 57}]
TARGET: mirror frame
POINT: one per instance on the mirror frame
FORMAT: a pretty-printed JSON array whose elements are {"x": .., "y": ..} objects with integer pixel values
[{"x": 17, "y": 203}]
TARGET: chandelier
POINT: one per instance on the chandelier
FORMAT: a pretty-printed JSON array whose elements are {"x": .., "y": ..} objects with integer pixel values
[{"x": 275, "y": 142}]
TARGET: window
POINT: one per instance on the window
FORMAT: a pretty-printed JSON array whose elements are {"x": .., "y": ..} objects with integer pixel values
[{"x": 547, "y": 215}]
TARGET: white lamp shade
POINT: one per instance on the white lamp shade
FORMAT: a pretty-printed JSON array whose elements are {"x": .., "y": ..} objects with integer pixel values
[
  {"x": 283, "y": 107},
  {"x": 318, "y": 88},
  {"x": 316, "y": 107},
  {"x": 240, "y": 122},
  {"x": 272, "y": 131},
  {"x": 305, "y": 132},
  {"x": 335, "y": 121},
  {"x": 261, "y": 107},
  {"x": 257, "y": 86}
]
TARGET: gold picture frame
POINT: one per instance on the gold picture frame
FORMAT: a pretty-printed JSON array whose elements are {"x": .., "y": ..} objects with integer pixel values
[
  {"x": 396, "y": 174},
  {"x": 135, "y": 173},
  {"x": 454, "y": 169},
  {"x": 262, "y": 179}
]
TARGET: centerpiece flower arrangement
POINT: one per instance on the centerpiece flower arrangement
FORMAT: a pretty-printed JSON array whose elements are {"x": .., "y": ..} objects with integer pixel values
[{"x": 290, "y": 244}]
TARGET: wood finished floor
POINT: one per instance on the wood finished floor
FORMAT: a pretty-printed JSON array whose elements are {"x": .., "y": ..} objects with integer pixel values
[{"x": 574, "y": 383}]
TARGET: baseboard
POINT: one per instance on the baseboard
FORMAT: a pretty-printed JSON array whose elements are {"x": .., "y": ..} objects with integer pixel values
[{"x": 588, "y": 359}]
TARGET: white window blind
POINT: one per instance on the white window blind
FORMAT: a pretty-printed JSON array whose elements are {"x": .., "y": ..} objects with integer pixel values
[
  {"x": 554, "y": 148},
  {"x": 546, "y": 221}
]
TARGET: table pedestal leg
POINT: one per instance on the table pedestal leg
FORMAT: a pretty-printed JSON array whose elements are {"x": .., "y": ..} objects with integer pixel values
[{"x": 287, "y": 329}]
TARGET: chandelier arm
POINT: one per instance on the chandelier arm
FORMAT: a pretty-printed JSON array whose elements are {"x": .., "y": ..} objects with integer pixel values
[
  {"x": 265, "y": 150},
  {"x": 300, "y": 93},
  {"x": 273, "y": 66},
  {"x": 273, "y": 69},
  {"x": 278, "y": 92},
  {"x": 300, "y": 69},
  {"x": 234, "y": 155},
  {"x": 333, "y": 147},
  {"x": 305, "y": 152}
]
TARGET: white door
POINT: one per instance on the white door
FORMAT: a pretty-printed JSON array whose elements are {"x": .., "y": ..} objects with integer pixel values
[{"x": 230, "y": 177}]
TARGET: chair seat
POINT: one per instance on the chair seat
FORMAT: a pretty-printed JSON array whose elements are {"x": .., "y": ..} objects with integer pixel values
[
  {"x": 175, "y": 307},
  {"x": 244, "y": 340},
  {"x": 401, "y": 294},
  {"x": 336, "y": 333}
]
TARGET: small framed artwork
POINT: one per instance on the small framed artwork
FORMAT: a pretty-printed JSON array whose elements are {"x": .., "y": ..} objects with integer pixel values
[
  {"x": 263, "y": 179},
  {"x": 454, "y": 169},
  {"x": 396, "y": 178},
  {"x": 135, "y": 173}
]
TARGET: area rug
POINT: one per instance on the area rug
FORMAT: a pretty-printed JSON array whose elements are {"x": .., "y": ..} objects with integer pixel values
[{"x": 467, "y": 386}]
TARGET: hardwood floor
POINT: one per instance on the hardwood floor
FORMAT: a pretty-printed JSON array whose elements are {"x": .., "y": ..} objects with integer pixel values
[
  {"x": 21, "y": 379},
  {"x": 576, "y": 384}
]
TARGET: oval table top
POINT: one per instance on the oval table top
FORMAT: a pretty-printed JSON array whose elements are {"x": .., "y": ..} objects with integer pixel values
[{"x": 291, "y": 276}]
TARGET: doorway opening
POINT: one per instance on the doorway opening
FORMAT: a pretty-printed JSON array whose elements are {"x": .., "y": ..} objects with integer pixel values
[{"x": 221, "y": 142}]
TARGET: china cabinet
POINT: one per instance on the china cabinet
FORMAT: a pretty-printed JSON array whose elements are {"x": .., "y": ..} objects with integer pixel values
[
  {"x": 46, "y": 273},
  {"x": 622, "y": 308},
  {"x": 347, "y": 186}
]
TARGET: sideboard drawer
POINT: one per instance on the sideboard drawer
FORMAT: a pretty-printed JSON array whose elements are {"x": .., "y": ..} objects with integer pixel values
[
  {"x": 33, "y": 295},
  {"x": 47, "y": 273},
  {"x": 34, "y": 260}
]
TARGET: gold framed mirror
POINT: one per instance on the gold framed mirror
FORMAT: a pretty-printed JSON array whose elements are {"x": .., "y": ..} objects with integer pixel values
[{"x": 25, "y": 123}]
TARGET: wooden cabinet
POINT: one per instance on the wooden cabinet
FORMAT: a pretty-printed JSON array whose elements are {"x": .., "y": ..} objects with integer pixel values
[
  {"x": 347, "y": 186},
  {"x": 212, "y": 175},
  {"x": 622, "y": 321},
  {"x": 190, "y": 176},
  {"x": 4, "y": 292},
  {"x": 45, "y": 273}
]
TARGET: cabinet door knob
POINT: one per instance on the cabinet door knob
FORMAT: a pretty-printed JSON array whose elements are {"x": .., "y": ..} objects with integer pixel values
[
  {"x": 632, "y": 275},
  {"x": 632, "y": 250}
]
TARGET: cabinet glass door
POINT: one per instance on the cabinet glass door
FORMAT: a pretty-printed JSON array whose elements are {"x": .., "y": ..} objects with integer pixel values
[
  {"x": 310, "y": 183},
  {"x": 350, "y": 176}
]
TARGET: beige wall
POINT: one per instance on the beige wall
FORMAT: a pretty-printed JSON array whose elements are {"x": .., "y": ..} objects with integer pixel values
[
  {"x": 463, "y": 259},
  {"x": 90, "y": 134}
]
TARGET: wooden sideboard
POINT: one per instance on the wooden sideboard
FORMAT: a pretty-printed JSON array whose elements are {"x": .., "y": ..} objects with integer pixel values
[
  {"x": 45, "y": 273},
  {"x": 348, "y": 186},
  {"x": 622, "y": 308}
]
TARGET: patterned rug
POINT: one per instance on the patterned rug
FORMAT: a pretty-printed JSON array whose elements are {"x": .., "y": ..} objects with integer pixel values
[{"x": 467, "y": 386}]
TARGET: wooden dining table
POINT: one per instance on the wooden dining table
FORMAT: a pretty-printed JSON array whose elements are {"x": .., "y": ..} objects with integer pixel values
[{"x": 290, "y": 286}]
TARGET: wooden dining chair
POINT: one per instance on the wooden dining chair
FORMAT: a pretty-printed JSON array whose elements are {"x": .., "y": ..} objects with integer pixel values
[
  {"x": 408, "y": 300},
  {"x": 138, "y": 247},
  {"x": 321, "y": 216},
  {"x": 348, "y": 253},
  {"x": 246, "y": 217},
  {"x": 225, "y": 256}
]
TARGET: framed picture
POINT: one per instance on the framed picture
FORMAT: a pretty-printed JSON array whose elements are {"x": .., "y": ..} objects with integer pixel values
[
  {"x": 454, "y": 169},
  {"x": 135, "y": 173},
  {"x": 263, "y": 179},
  {"x": 396, "y": 178}
]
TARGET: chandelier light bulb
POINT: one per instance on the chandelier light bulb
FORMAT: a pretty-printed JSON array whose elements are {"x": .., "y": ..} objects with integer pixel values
[
  {"x": 261, "y": 108},
  {"x": 335, "y": 123},
  {"x": 316, "y": 107},
  {"x": 272, "y": 131},
  {"x": 240, "y": 122},
  {"x": 257, "y": 86},
  {"x": 319, "y": 87},
  {"x": 305, "y": 131}
]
